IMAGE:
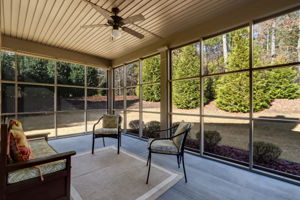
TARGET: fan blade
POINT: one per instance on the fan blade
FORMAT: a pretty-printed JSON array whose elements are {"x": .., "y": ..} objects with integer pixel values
[
  {"x": 94, "y": 26},
  {"x": 159, "y": 37},
  {"x": 132, "y": 32},
  {"x": 102, "y": 11},
  {"x": 134, "y": 18}
]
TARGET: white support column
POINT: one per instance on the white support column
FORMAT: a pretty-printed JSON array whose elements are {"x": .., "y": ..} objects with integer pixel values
[{"x": 164, "y": 65}]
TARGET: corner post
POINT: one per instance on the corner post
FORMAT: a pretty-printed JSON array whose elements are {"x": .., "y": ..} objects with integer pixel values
[{"x": 164, "y": 107}]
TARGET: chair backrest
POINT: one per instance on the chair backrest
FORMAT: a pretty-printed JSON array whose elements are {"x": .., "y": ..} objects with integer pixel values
[
  {"x": 180, "y": 134},
  {"x": 111, "y": 121}
]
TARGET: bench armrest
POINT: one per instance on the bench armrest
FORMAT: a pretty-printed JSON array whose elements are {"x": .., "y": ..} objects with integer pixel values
[
  {"x": 39, "y": 135},
  {"x": 39, "y": 161}
]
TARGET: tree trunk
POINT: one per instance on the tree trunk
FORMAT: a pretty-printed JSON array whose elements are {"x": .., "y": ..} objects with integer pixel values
[{"x": 273, "y": 39}]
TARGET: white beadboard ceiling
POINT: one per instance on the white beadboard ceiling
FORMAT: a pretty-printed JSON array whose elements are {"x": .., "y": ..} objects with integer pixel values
[{"x": 57, "y": 22}]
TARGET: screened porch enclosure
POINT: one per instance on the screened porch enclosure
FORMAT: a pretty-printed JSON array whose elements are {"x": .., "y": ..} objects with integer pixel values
[
  {"x": 52, "y": 96},
  {"x": 238, "y": 84}
]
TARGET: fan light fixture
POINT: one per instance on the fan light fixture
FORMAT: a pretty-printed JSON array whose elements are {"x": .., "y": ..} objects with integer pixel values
[{"x": 116, "y": 33}]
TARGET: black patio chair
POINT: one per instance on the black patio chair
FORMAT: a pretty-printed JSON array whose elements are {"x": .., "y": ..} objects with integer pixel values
[
  {"x": 111, "y": 127},
  {"x": 173, "y": 145}
]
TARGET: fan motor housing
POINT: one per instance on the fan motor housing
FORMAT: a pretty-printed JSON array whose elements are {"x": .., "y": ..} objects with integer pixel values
[
  {"x": 116, "y": 22},
  {"x": 115, "y": 10}
]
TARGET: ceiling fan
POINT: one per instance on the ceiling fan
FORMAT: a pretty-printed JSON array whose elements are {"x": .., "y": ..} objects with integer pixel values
[{"x": 116, "y": 22}]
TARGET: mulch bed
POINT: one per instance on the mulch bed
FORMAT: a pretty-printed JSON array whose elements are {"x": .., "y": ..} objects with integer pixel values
[{"x": 242, "y": 155}]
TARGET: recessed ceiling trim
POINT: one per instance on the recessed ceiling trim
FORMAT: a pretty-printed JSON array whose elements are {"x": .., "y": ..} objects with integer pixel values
[{"x": 30, "y": 48}]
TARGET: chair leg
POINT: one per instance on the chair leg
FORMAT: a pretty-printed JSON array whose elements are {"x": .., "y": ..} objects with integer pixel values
[
  {"x": 93, "y": 143},
  {"x": 120, "y": 139},
  {"x": 149, "y": 167},
  {"x": 182, "y": 157},
  {"x": 148, "y": 158},
  {"x": 118, "y": 145},
  {"x": 103, "y": 141},
  {"x": 178, "y": 160}
]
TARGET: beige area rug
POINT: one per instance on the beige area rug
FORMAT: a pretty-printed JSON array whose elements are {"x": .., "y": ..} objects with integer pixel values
[{"x": 109, "y": 176}]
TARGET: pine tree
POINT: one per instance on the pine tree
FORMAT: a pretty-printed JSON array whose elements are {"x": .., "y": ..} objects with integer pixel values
[
  {"x": 232, "y": 91},
  {"x": 151, "y": 74},
  {"x": 186, "y": 63}
]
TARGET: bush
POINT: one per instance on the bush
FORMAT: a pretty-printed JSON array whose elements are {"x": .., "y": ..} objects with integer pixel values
[
  {"x": 135, "y": 125},
  {"x": 211, "y": 139},
  {"x": 265, "y": 152},
  {"x": 150, "y": 128}
]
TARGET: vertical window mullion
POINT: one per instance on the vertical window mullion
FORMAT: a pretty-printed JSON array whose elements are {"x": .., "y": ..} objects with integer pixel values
[
  {"x": 251, "y": 95},
  {"x": 141, "y": 98},
  {"x": 201, "y": 99},
  {"x": 109, "y": 94},
  {"x": 16, "y": 86},
  {"x": 55, "y": 98},
  {"x": 85, "y": 99},
  {"x": 113, "y": 91},
  {"x": 1, "y": 83},
  {"x": 124, "y": 98},
  {"x": 169, "y": 91}
]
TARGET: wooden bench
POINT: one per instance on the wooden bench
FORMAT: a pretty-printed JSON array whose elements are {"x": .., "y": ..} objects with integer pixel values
[{"x": 22, "y": 181}]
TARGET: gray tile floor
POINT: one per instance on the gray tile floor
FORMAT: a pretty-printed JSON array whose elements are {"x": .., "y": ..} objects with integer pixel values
[{"x": 207, "y": 179}]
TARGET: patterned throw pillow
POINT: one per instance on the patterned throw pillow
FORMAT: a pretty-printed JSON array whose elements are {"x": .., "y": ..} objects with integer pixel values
[
  {"x": 110, "y": 121},
  {"x": 19, "y": 149},
  {"x": 178, "y": 140}
]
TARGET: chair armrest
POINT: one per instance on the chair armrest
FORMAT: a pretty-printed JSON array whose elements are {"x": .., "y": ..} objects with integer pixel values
[
  {"x": 166, "y": 129},
  {"x": 39, "y": 161},
  {"x": 96, "y": 124},
  {"x": 39, "y": 135}
]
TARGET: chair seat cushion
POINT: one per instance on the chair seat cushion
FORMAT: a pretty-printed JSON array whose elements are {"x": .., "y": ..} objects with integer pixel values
[
  {"x": 40, "y": 148},
  {"x": 163, "y": 146},
  {"x": 107, "y": 131}
]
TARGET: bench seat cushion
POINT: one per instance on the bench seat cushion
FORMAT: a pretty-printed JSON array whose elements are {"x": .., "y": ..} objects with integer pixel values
[{"x": 40, "y": 148}]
